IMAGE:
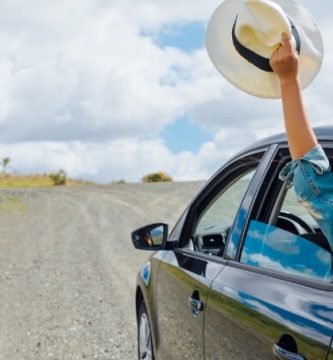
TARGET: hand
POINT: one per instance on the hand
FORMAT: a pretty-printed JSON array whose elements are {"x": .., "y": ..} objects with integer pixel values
[{"x": 284, "y": 60}]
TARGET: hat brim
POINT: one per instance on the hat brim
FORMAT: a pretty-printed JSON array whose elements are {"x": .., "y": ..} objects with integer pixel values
[{"x": 247, "y": 76}]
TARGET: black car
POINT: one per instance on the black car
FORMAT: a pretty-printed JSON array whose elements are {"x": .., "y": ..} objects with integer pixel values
[{"x": 245, "y": 274}]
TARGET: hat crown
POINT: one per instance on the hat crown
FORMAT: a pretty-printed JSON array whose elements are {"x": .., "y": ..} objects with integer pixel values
[{"x": 260, "y": 24}]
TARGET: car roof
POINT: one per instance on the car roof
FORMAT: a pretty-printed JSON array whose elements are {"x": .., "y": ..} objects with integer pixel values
[{"x": 323, "y": 133}]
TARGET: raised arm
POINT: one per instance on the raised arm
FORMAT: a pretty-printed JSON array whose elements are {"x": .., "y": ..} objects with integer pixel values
[{"x": 284, "y": 62}]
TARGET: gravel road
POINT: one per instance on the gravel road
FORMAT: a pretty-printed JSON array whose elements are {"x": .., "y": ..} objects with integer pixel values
[{"x": 68, "y": 268}]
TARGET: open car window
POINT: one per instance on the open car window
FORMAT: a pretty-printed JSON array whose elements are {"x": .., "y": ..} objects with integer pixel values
[
  {"x": 216, "y": 219},
  {"x": 292, "y": 206},
  {"x": 290, "y": 241}
]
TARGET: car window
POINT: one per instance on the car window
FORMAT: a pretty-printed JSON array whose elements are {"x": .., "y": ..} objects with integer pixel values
[
  {"x": 292, "y": 206},
  {"x": 215, "y": 220},
  {"x": 290, "y": 242},
  {"x": 269, "y": 247}
]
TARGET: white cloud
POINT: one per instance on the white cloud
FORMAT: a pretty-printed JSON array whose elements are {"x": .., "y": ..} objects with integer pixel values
[
  {"x": 154, "y": 14},
  {"x": 266, "y": 262},
  {"x": 124, "y": 158},
  {"x": 281, "y": 316},
  {"x": 92, "y": 75},
  {"x": 81, "y": 85},
  {"x": 324, "y": 257},
  {"x": 129, "y": 159}
]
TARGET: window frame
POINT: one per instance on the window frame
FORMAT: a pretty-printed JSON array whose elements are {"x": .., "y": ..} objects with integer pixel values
[
  {"x": 220, "y": 181},
  {"x": 262, "y": 212}
]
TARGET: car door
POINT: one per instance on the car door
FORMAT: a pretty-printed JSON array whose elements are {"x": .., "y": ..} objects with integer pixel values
[
  {"x": 274, "y": 297},
  {"x": 185, "y": 274}
]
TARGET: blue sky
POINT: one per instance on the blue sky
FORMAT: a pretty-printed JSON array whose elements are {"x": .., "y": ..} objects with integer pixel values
[
  {"x": 183, "y": 135},
  {"x": 186, "y": 37},
  {"x": 116, "y": 89}
]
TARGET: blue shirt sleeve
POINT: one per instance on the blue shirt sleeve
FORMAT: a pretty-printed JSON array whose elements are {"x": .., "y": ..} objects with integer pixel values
[{"x": 313, "y": 184}]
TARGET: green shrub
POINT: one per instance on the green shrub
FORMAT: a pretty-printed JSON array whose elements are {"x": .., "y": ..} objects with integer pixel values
[
  {"x": 5, "y": 162},
  {"x": 159, "y": 176},
  {"x": 121, "y": 181},
  {"x": 59, "y": 178}
]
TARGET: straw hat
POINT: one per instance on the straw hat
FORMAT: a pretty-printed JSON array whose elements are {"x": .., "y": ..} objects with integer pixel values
[{"x": 243, "y": 34}]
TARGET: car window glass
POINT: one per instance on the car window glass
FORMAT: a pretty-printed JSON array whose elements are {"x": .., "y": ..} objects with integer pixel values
[
  {"x": 292, "y": 243},
  {"x": 216, "y": 219},
  {"x": 269, "y": 247}
]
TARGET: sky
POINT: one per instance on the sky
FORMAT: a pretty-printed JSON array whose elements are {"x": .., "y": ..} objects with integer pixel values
[{"x": 116, "y": 89}]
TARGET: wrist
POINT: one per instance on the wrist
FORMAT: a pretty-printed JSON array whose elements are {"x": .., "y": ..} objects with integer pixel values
[
  {"x": 290, "y": 85},
  {"x": 290, "y": 82}
]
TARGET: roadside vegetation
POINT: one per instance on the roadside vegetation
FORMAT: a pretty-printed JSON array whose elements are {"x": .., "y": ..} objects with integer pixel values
[
  {"x": 159, "y": 176},
  {"x": 28, "y": 181},
  {"x": 15, "y": 180},
  {"x": 4, "y": 163},
  {"x": 58, "y": 178},
  {"x": 118, "y": 182},
  {"x": 9, "y": 180}
]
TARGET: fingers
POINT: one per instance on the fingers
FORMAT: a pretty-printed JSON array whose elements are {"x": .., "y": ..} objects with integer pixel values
[
  {"x": 274, "y": 59},
  {"x": 276, "y": 53},
  {"x": 285, "y": 37},
  {"x": 285, "y": 48},
  {"x": 284, "y": 60},
  {"x": 286, "y": 41}
]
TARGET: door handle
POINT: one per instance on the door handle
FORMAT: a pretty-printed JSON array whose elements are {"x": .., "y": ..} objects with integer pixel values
[
  {"x": 282, "y": 354},
  {"x": 195, "y": 305}
]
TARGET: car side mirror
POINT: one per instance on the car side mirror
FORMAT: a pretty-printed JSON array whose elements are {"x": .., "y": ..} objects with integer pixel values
[{"x": 150, "y": 237}]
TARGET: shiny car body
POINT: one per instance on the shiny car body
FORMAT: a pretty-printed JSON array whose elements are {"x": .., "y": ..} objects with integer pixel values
[{"x": 245, "y": 274}]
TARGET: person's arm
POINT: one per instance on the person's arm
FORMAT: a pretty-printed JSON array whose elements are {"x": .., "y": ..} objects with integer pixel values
[{"x": 284, "y": 62}]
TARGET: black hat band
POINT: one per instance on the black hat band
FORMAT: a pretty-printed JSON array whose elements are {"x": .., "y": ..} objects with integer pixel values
[{"x": 257, "y": 60}]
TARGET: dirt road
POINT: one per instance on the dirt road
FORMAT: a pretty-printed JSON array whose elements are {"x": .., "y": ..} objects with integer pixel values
[{"x": 68, "y": 269}]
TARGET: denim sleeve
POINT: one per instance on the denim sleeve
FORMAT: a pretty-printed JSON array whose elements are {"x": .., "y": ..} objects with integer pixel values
[{"x": 313, "y": 184}]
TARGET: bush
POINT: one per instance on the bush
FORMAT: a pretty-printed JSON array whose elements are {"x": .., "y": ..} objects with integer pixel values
[
  {"x": 59, "y": 178},
  {"x": 121, "y": 181},
  {"x": 156, "y": 177}
]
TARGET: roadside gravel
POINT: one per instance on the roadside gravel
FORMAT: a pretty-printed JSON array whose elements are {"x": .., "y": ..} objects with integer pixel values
[{"x": 68, "y": 268}]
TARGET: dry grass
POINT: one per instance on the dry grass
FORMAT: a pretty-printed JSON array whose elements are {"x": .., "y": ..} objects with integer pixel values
[{"x": 28, "y": 181}]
